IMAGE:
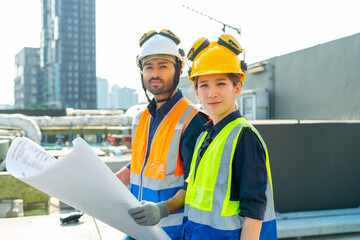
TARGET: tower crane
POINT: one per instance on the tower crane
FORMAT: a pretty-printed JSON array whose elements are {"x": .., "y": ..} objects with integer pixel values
[{"x": 238, "y": 30}]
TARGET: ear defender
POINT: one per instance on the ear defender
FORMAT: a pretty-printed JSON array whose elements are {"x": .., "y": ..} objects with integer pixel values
[
  {"x": 146, "y": 37},
  {"x": 197, "y": 47},
  {"x": 171, "y": 35},
  {"x": 231, "y": 43},
  {"x": 181, "y": 52},
  {"x": 243, "y": 65}
]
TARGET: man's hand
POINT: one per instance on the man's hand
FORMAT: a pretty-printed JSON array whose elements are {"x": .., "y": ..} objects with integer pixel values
[{"x": 149, "y": 213}]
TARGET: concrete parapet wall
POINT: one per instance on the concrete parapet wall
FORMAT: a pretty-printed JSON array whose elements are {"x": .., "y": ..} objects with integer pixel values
[{"x": 35, "y": 202}]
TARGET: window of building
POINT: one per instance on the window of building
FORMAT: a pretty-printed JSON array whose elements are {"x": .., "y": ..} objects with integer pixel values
[
  {"x": 33, "y": 90},
  {"x": 248, "y": 107}
]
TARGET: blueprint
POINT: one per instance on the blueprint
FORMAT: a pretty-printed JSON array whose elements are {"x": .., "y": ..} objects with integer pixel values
[{"x": 82, "y": 180}]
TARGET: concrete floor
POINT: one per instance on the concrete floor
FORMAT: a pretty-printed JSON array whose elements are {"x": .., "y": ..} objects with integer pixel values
[{"x": 49, "y": 227}]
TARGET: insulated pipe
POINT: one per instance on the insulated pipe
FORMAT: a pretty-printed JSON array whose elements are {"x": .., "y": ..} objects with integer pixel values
[{"x": 28, "y": 124}]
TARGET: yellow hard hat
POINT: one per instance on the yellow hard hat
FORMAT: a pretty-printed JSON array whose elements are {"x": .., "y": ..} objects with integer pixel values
[{"x": 216, "y": 57}]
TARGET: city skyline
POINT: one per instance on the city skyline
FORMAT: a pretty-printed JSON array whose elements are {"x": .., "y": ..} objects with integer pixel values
[
  {"x": 268, "y": 29},
  {"x": 111, "y": 96}
]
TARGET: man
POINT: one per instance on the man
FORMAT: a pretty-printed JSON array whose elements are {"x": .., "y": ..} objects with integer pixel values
[{"x": 163, "y": 136}]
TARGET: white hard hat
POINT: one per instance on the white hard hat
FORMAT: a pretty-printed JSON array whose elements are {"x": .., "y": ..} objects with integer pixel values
[{"x": 163, "y": 43}]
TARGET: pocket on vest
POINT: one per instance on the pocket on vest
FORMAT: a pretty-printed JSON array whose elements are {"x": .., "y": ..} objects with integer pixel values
[
  {"x": 155, "y": 169},
  {"x": 201, "y": 198}
]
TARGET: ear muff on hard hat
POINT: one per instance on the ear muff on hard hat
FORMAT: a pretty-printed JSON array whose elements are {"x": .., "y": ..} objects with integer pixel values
[
  {"x": 231, "y": 43},
  {"x": 197, "y": 47},
  {"x": 216, "y": 57},
  {"x": 146, "y": 37},
  {"x": 171, "y": 35}
]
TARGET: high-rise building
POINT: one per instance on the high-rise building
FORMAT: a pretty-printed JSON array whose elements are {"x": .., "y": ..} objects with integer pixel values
[
  {"x": 123, "y": 98},
  {"x": 68, "y": 53},
  {"x": 27, "y": 74},
  {"x": 102, "y": 93}
]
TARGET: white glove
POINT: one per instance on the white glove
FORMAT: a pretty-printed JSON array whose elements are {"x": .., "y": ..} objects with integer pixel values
[{"x": 149, "y": 213}]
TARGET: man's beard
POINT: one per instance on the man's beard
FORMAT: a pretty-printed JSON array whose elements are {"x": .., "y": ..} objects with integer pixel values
[{"x": 158, "y": 89}]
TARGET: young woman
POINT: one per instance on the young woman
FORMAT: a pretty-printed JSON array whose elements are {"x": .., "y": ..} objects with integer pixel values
[{"x": 229, "y": 193}]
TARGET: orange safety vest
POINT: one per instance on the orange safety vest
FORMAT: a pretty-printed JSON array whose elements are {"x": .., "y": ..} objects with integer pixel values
[{"x": 161, "y": 176}]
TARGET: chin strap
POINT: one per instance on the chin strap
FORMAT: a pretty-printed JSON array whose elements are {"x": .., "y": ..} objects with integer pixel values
[{"x": 143, "y": 86}]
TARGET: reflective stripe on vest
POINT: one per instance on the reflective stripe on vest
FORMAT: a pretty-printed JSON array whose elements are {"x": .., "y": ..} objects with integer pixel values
[
  {"x": 162, "y": 174},
  {"x": 207, "y": 200}
]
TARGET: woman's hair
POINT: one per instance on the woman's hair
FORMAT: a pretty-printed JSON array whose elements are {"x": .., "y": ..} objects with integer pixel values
[{"x": 234, "y": 78}]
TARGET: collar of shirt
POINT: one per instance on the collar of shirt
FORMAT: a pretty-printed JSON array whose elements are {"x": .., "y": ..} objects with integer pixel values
[
  {"x": 214, "y": 130},
  {"x": 166, "y": 107}
]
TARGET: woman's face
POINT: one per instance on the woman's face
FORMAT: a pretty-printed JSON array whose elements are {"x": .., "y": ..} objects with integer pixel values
[{"x": 217, "y": 94}]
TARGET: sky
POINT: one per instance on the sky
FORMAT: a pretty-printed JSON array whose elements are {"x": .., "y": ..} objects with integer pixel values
[{"x": 269, "y": 28}]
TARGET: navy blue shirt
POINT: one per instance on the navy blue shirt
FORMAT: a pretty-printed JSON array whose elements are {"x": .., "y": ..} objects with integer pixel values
[
  {"x": 189, "y": 136},
  {"x": 249, "y": 174}
]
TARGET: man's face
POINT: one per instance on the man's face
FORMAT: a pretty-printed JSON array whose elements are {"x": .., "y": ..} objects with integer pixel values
[{"x": 158, "y": 75}]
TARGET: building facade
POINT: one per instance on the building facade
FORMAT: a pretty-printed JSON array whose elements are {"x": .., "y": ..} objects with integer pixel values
[
  {"x": 102, "y": 93},
  {"x": 123, "y": 98},
  {"x": 27, "y": 75},
  {"x": 188, "y": 89},
  {"x": 67, "y": 53},
  {"x": 316, "y": 83}
]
